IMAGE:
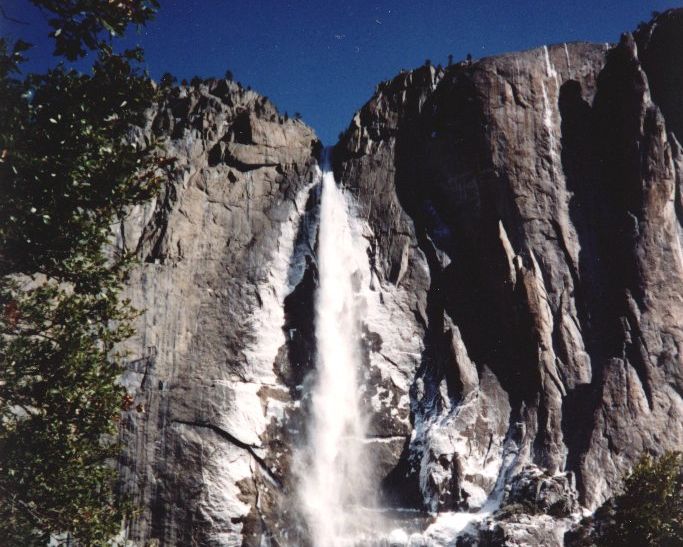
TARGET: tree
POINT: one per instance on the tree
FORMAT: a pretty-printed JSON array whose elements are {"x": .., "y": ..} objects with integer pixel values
[
  {"x": 168, "y": 80},
  {"x": 69, "y": 168},
  {"x": 79, "y": 24},
  {"x": 649, "y": 512}
]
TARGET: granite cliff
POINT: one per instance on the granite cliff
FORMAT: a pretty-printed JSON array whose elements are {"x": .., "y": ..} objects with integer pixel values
[
  {"x": 204, "y": 457},
  {"x": 522, "y": 340}
]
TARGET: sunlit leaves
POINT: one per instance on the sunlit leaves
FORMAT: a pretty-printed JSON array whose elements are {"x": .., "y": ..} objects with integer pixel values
[
  {"x": 67, "y": 154},
  {"x": 649, "y": 512},
  {"x": 68, "y": 173}
]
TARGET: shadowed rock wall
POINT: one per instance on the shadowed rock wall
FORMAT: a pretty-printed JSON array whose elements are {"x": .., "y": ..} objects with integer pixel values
[{"x": 543, "y": 190}]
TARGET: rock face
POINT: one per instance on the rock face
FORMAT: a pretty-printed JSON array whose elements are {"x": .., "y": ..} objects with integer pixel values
[
  {"x": 543, "y": 190},
  {"x": 523, "y": 337},
  {"x": 207, "y": 456}
]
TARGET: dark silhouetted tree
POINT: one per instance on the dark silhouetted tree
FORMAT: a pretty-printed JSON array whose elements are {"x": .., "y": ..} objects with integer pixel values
[
  {"x": 168, "y": 80},
  {"x": 649, "y": 512}
]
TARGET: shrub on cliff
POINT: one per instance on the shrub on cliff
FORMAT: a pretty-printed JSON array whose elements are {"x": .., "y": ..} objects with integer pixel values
[
  {"x": 648, "y": 513},
  {"x": 68, "y": 170}
]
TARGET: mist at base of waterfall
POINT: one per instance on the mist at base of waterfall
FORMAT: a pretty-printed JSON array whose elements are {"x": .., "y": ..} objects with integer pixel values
[{"x": 392, "y": 527}]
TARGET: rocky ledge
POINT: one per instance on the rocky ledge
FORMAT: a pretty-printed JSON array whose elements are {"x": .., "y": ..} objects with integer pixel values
[{"x": 205, "y": 449}]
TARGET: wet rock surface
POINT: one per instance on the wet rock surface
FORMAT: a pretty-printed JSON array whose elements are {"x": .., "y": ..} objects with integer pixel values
[{"x": 522, "y": 328}]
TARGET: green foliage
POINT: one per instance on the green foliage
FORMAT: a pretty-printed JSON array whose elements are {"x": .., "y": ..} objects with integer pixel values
[
  {"x": 61, "y": 383},
  {"x": 79, "y": 24},
  {"x": 69, "y": 169},
  {"x": 649, "y": 512}
]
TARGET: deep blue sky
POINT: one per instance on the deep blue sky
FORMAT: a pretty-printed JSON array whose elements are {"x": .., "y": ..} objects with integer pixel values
[{"x": 323, "y": 58}]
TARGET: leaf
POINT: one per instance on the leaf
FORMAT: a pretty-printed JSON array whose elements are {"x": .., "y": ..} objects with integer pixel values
[{"x": 109, "y": 27}]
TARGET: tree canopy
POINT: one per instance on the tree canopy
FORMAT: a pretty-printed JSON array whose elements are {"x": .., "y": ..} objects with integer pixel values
[
  {"x": 70, "y": 166},
  {"x": 647, "y": 513}
]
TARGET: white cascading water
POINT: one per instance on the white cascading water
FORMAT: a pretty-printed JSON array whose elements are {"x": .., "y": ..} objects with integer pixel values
[
  {"x": 337, "y": 488},
  {"x": 334, "y": 472}
]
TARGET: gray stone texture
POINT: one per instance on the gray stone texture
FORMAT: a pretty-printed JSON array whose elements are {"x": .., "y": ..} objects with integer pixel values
[
  {"x": 543, "y": 187},
  {"x": 522, "y": 341}
]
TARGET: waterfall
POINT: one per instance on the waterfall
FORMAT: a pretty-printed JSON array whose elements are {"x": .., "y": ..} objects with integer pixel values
[
  {"x": 334, "y": 472},
  {"x": 337, "y": 482}
]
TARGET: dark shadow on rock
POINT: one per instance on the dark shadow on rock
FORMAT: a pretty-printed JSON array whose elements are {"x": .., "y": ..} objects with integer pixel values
[
  {"x": 660, "y": 49},
  {"x": 401, "y": 487},
  {"x": 580, "y": 166},
  {"x": 299, "y": 329},
  {"x": 444, "y": 169},
  {"x": 618, "y": 104},
  {"x": 602, "y": 162},
  {"x": 299, "y": 305},
  {"x": 445, "y": 181}
]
